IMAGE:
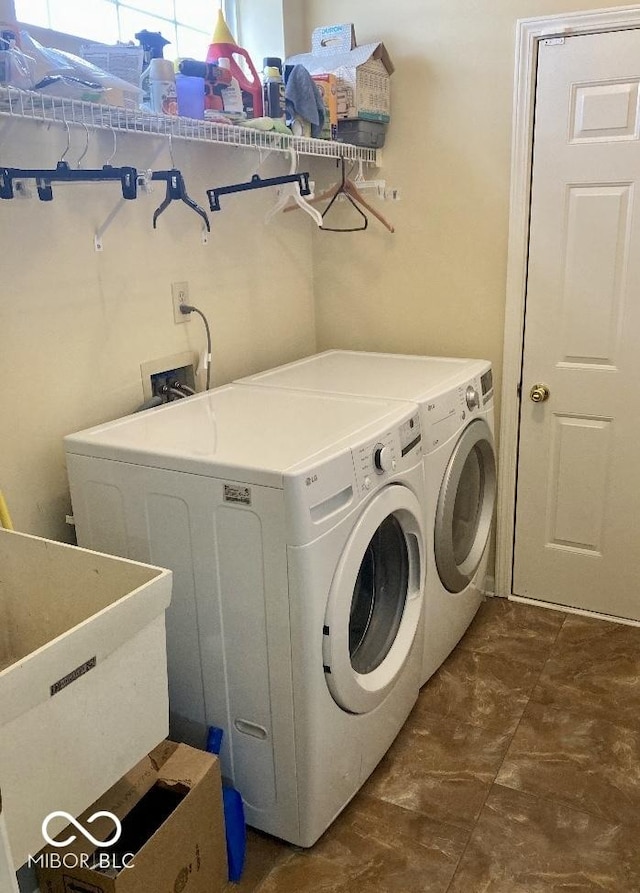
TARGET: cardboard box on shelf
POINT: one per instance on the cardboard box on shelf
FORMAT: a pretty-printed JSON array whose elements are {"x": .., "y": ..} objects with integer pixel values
[
  {"x": 327, "y": 84},
  {"x": 362, "y": 72},
  {"x": 172, "y": 832},
  {"x": 124, "y": 64}
]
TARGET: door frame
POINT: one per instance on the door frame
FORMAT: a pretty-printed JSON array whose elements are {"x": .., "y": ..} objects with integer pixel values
[{"x": 528, "y": 36}]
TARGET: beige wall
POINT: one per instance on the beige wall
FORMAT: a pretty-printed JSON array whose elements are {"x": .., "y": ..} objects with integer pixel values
[
  {"x": 437, "y": 285},
  {"x": 75, "y": 325}
]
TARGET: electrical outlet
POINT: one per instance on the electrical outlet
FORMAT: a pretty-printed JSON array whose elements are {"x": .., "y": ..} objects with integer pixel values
[{"x": 179, "y": 296}]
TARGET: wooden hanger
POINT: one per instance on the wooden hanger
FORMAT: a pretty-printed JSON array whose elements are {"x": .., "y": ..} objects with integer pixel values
[
  {"x": 353, "y": 190},
  {"x": 349, "y": 188}
]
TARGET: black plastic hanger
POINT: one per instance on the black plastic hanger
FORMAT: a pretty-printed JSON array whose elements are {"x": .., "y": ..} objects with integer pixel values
[
  {"x": 63, "y": 173},
  {"x": 256, "y": 182},
  {"x": 176, "y": 190},
  {"x": 342, "y": 190}
]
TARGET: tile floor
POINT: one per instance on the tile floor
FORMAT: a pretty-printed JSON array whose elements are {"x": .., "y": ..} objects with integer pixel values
[{"x": 517, "y": 772}]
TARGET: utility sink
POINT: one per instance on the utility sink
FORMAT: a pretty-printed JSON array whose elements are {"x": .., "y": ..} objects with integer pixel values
[
  {"x": 8, "y": 882},
  {"x": 83, "y": 679}
]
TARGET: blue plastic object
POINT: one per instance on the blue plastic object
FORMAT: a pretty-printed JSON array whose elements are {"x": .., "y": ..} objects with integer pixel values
[
  {"x": 235, "y": 827},
  {"x": 236, "y": 831},
  {"x": 214, "y": 740},
  {"x": 190, "y": 92}
]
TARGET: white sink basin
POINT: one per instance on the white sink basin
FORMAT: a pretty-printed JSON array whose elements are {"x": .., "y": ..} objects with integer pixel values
[
  {"x": 83, "y": 678},
  {"x": 7, "y": 875}
]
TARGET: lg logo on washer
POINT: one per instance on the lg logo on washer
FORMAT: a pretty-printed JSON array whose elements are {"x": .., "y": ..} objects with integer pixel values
[{"x": 95, "y": 860}]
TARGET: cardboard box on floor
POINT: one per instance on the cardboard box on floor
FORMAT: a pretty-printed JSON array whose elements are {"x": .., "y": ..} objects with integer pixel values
[
  {"x": 362, "y": 72},
  {"x": 187, "y": 852}
]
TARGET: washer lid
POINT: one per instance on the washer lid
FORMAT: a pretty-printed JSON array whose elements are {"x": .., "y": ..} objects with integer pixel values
[
  {"x": 241, "y": 433},
  {"x": 392, "y": 376},
  {"x": 375, "y": 603}
]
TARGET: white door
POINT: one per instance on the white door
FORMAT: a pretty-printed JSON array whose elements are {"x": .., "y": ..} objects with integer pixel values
[{"x": 578, "y": 493}]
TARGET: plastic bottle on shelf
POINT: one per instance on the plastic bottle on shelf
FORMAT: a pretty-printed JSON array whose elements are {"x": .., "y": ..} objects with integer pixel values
[
  {"x": 232, "y": 100},
  {"x": 273, "y": 88},
  {"x": 153, "y": 44},
  {"x": 224, "y": 47},
  {"x": 162, "y": 79}
]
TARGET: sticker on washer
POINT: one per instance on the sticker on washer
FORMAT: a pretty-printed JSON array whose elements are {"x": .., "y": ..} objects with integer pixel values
[{"x": 238, "y": 494}]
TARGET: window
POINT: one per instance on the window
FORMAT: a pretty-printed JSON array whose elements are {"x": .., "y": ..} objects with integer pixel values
[{"x": 187, "y": 24}]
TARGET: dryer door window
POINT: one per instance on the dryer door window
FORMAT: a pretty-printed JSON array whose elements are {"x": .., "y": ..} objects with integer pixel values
[
  {"x": 465, "y": 507},
  {"x": 375, "y": 604},
  {"x": 379, "y": 596}
]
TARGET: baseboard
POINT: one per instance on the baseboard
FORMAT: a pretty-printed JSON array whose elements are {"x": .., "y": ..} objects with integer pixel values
[{"x": 567, "y": 609}]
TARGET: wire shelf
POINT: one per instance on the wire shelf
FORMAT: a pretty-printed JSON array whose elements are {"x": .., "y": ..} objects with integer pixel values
[{"x": 42, "y": 107}]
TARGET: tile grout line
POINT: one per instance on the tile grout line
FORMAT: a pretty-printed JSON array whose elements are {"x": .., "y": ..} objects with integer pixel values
[
  {"x": 484, "y": 802},
  {"x": 574, "y": 711},
  {"x": 529, "y": 696},
  {"x": 513, "y": 734},
  {"x": 581, "y": 713},
  {"x": 580, "y": 810}
]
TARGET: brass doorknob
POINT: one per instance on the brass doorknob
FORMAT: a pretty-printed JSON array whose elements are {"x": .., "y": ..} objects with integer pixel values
[{"x": 539, "y": 393}]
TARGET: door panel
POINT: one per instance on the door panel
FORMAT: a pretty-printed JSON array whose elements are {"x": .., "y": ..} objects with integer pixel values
[
  {"x": 595, "y": 265},
  {"x": 578, "y": 475},
  {"x": 605, "y": 111},
  {"x": 577, "y": 483}
]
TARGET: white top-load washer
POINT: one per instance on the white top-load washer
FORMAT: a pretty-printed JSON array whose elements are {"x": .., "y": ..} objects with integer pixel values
[
  {"x": 456, "y": 407},
  {"x": 294, "y": 527}
]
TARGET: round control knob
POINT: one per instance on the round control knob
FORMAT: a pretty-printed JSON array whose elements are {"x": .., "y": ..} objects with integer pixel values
[
  {"x": 382, "y": 458},
  {"x": 473, "y": 400}
]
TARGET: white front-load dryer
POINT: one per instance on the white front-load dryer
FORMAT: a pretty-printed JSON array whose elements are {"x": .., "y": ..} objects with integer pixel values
[
  {"x": 451, "y": 393},
  {"x": 294, "y": 527},
  {"x": 460, "y": 478}
]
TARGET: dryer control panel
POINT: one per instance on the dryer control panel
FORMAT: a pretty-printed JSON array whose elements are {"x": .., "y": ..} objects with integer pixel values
[
  {"x": 392, "y": 452},
  {"x": 447, "y": 413}
]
